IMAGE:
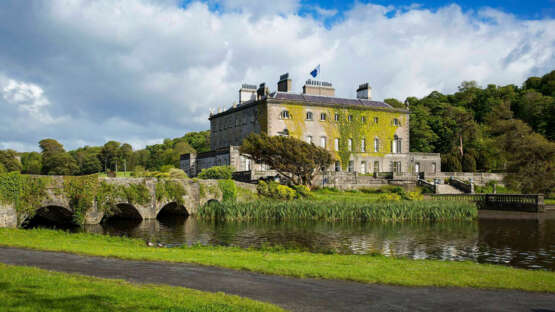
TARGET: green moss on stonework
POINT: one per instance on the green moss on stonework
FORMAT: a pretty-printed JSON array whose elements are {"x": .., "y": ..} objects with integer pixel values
[
  {"x": 25, "y": 193},
  {"x": 172, "y": 191},
  {"x": 296, "y": 124}
]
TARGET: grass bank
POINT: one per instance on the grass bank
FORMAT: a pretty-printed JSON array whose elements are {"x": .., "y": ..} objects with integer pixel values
[
  {"x": 361, "y": 268},
  {"x": 344, "y": 210},
  {"x": 31, "y": 289}
]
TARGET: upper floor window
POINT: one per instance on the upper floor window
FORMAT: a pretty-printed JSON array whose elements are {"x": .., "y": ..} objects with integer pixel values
[
  {"x": 309, "y": 139},
  {"x": 350, "y": 118},
  {"x": 396, "y": 145},
  {"x": 285, "y": 115},
  {"x": 376, "y": 120},
  {"x": 322, "y": 116},
  {"x": 350, "y": 145},
  {"x": 336, "y": 117},
  {"x": 396, "y": 122},
  {"x": 336, "y": 144},
  {"x": 363, "y": 119},
  {"x": 363, "y": 145},
  {"x": 308, "y": 115},
  {"x": 323, "y": 142},
  {"x": 376, "y": 145}
]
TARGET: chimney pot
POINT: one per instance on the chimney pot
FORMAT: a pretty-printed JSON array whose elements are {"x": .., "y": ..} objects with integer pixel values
[
  {"x": 285, "y": 83},
  {"x": 364, "y": 91}
]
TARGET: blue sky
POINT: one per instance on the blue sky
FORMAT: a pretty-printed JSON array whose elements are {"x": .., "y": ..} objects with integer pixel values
[
  {"x": 533, "y": 9},
  {"x": 153, "y": 69}
]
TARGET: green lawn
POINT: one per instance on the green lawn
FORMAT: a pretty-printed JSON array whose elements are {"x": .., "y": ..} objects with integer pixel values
[
  {"x": 31, "y": 289},
  {"x": 362, "y": 268}
]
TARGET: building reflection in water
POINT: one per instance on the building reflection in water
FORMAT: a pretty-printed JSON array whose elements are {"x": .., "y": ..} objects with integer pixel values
[{"x": 502, "y": 239}]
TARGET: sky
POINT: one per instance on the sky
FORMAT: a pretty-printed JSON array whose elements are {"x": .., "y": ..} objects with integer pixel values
[{"x": 138, "y": 71}]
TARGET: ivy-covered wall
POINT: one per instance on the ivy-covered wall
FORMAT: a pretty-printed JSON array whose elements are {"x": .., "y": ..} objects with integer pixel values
[{"x": 362, "y": 125}]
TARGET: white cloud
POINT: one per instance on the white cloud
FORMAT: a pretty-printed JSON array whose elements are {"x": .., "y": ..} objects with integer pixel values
[{"x": 141, "y": 70}]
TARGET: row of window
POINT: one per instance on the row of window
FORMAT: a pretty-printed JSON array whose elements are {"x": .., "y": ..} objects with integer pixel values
[
  {"x": 395, "y": 144},
  {"x": 323, "y": 117}
]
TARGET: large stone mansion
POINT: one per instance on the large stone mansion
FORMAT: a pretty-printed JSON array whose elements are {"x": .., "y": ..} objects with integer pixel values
[{"x": 363, "y": 135}]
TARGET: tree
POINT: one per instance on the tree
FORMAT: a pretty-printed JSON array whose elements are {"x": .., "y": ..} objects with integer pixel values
[
  {"x": 395, "y": 103},
  {"x": 531, "y": 158},
  {"x": 61, "y": 164},
  {"x": 109, "y": 154},
  {"x": 125, "y": 155},
  {"x": 90, "y": 164},
  {"x": 200, "y": 141},
  {"x": 31, "y": 163},
  {"x": 9, "y": 160},
  {"x": 55, "y": 160},
  {"x": 294, "y": 159}
]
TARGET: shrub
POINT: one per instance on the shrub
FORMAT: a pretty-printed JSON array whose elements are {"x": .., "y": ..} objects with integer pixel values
[
  {"x": 414, "y": 196},
  {"x": 275, "y": 190},
  {"x": 229, "y": 190},
  {"x": 387, "y": 197},
  {"x": 177, "y": 174},
  {"x": 139, "y": 171},
  {"x": 302, "y": 191},
  {"x": 217, "y": 172},
  {"x": 166, "y": 168}
]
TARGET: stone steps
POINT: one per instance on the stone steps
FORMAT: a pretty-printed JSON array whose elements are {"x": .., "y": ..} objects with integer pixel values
[{"x": 447, "y": 189}]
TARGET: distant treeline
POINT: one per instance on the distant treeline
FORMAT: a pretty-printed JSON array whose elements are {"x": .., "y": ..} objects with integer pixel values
[
  {"x": 496, "y": 128},
  {"x": 55, "y": 160}
]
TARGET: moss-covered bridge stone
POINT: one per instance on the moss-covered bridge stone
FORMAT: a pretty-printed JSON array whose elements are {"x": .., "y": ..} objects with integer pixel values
[{"x": 89, "y": 199}]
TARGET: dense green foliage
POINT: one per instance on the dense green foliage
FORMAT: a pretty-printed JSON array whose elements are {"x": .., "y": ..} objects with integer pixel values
[
  {"x": 275, "y": 190},
  {"x": 345, "y": 210},
  {"x": 216, "y": 172},
  {"x": 229, "y": 190},
  {"x": 32, "y": 289},
  {"x": 440, "y": 123},
  {"x": 361, "y": 268},
  {"x": 296, "y": 160}
]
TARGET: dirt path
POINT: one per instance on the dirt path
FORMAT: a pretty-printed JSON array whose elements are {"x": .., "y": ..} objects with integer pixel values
[{"x": 290, "y": 293}]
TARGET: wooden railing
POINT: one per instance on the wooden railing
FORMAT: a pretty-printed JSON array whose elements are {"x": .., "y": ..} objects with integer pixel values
[{"x": 513, "y": 202}]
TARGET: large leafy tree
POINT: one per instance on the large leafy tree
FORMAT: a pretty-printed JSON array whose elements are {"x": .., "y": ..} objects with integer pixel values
[
  {"x": 294, "y": 159},
  {"x": 55, "y": 160}
]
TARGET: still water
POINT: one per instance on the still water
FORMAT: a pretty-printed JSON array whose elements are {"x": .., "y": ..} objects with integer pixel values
[{"x": 516, "y": 239}]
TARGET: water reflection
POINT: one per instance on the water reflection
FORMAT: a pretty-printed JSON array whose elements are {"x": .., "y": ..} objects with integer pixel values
[{"x": 521, "y": 242}]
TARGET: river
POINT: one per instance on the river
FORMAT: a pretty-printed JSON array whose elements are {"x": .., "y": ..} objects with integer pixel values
[{"x": 524, "y": 240}]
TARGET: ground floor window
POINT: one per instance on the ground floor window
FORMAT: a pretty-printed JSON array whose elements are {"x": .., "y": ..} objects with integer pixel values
[
  {"x": 363, "y": 167},
  {"x": 351, "y": 166},
  {"x": 337, "y": 166},
  {"x": 396, "y": 166},
  {"x": 434, "y": 167},
  {"x": 376, "y": 166}
]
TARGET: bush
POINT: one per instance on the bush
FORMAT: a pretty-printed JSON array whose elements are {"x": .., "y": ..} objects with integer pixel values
[
  {"x": 302, "y": 191},
  {"x": 217, "y": 172},
  {"x": 414, "y": 196},
  {"x": 139, "y": 171},
  {"x": 275, "y": 190},
  {"x": 177, "y": 174},
  {"x": 387, "y": 197},
  {"x": 166, "y": 168}
]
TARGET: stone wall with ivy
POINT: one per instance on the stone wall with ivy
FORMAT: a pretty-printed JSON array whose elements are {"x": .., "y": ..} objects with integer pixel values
[{"x": 352, "y": 123}]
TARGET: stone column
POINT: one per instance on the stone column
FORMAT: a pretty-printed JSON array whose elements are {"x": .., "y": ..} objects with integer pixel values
[{"x": 8, "y": 216}]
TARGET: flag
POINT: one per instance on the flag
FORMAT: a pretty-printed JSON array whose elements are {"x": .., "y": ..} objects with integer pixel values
[{"x": 315, "y": 71}]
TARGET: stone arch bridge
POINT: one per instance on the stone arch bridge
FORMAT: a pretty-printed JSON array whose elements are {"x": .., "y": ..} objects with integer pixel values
[{"x": 56, "y": 207}]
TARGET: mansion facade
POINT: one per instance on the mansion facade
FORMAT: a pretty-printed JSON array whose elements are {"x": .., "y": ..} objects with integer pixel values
[{"x": 364, "y": 136}]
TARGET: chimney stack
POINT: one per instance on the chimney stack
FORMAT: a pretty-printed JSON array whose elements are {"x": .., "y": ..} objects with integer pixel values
[
  {"x": 262, "y": 91},
  {"x": 247, "y": 93},
  {"x": 321, "y": 88},
  {"x": 364, "y": 92},
  {"x": 284, "y": 83}
]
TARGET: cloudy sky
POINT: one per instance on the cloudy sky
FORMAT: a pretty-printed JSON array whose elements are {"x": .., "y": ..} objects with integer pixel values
[{"x": 138, "y": 71}]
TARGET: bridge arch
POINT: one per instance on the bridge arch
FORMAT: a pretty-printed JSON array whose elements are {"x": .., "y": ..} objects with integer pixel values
[
  {"x": 51, "y": 216},
  {"x": 172, "y": 209},
  {"x": 123, "y": 211}
]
